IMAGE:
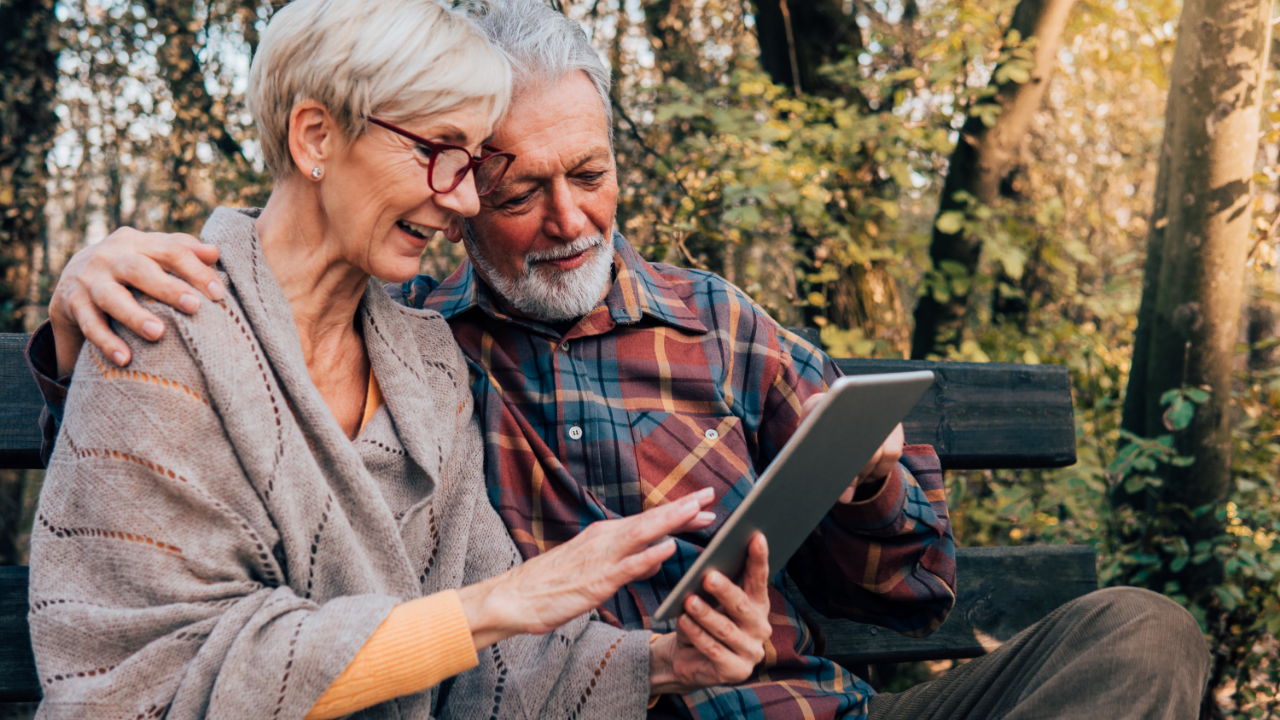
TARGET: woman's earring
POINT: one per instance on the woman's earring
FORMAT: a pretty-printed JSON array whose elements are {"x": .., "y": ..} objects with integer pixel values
[{"x": 316, "y": 172}]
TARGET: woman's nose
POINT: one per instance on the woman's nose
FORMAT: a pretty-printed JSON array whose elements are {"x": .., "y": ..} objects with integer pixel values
[{"x": 463, "y": 199}]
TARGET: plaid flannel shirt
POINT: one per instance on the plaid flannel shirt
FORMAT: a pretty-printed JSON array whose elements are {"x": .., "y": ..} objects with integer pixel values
[{"x": 676, "y": 382}]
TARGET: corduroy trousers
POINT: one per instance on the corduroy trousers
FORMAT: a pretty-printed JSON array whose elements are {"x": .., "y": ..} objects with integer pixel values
[{"x": 1115, "y": 654}]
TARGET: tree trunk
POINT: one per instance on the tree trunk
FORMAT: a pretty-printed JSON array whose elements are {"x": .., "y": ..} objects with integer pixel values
[
  {"x": 982, "y": 158},
  {"x": 1193, "y": 281},
  {"x": 197, "y": 116},
  {"x": 28, "y": 87},
  {"x": 797, "y": 37}
]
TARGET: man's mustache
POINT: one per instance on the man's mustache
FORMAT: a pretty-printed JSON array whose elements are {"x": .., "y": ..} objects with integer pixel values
[{"x": 577, "y": 246}]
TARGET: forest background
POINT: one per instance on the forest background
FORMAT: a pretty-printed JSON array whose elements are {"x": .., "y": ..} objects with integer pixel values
[{"x": 971, "y": 180}]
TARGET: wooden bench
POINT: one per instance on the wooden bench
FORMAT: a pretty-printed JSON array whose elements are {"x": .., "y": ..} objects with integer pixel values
[{"x": 977, "y": 416}]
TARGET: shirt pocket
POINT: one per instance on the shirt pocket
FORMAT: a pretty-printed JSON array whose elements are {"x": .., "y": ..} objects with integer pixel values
[{"x": 678, "y": 454}]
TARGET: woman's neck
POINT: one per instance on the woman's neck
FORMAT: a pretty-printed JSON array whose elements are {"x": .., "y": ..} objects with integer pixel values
[
  {"x": 324, "y": 292},
  {"x": 322, "y": 288}
]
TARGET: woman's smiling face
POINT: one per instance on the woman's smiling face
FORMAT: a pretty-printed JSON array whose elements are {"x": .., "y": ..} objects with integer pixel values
[{"x": 380, "y": 210}]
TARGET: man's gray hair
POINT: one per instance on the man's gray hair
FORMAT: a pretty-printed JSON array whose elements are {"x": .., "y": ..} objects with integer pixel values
[{"x": 542, "y": 46}]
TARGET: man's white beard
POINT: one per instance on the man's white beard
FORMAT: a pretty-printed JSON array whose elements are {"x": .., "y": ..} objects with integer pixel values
[{"x": 544, "y": 292}]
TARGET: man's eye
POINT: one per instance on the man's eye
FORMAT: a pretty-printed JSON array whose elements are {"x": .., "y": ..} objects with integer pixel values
[
  {"x": 591, "y": 176},
  {"x": 518, "y": 200}
]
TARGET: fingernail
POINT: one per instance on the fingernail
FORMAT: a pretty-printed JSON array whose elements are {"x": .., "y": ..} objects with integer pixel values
[
  {"x": 118, "y": 358},
  {"x": 189, "y": 303},
  {"x": 705, "y": 493},
  {"x": 714, "y": 579},
  {"x": 706, "y": 516},
  {"x": 152, "y": 329},
  {"x": 216, "y": 290}
]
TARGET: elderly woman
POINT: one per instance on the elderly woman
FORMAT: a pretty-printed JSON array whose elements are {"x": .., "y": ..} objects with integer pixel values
[{"x": 239, "y": 525}]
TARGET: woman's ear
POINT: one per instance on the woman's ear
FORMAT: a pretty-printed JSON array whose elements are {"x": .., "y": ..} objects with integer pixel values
[{"x": 313, "y": 138}]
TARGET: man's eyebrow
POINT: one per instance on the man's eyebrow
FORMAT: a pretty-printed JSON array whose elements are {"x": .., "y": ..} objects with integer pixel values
[
  {"x": 601, "y": 154},
  {"x": 511, "y": 180}
]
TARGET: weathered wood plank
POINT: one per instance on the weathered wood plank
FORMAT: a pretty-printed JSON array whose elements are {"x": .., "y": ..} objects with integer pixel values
[
  {"x": 20, "y": 405},
  {"x": 18, "y": 681},
  {"x": 1001, "y": 591},
  {"x": 977, "y": 415},
  {"x": 985, "y": 415},
  {"x": 988, "y": 415}
]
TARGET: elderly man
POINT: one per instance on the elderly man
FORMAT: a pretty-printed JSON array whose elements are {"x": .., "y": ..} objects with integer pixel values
[{"x": 607, "y": 384}]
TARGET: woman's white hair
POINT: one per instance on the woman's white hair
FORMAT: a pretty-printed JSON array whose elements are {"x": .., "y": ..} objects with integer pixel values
[
  {"x": 542, "y": 45},
  {"x": 397, "y": 59}
]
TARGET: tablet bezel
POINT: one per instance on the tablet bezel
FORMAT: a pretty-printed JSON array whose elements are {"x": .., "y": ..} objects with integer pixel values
[{"x": 807, "y": 477}]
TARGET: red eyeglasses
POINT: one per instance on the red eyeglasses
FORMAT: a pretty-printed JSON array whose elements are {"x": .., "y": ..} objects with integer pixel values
[{"x": 447, "y": 165}]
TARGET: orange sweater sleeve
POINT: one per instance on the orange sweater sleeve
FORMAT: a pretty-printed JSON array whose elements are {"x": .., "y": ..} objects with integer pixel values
[{"x": 421, "y": 643}]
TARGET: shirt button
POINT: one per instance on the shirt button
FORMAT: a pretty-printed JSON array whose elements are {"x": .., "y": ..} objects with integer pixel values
[
  {"x": 575, "y": 433},
  {"x": 711, "y": 434},
  {"x": 565, "y": 346}
]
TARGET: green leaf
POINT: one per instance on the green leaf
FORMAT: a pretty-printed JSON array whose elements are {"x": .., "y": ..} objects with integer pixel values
[
  {"x": 1196, "y": 395},
  {"x": 1179, "y": 414},
  {"x": 953, "y": 268},
  {"x": 1135, "y": 484},
  {"x": 1225, "y": 597},
  {"x": 986, "y": 112},
  {"x": 1019, "y": 72}
]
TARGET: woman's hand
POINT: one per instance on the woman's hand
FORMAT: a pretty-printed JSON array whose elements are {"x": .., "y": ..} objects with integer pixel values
[
  {"x": 717, "y": 647},
  {"x": 578, "y": 576},
  {"x": 96, "y": 284}
]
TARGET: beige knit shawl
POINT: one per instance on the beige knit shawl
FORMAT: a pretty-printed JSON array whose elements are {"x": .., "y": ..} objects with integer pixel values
[{"x": 210, "y": 544}]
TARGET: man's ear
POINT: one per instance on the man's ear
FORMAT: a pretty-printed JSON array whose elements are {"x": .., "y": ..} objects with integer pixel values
[{"x": 313, "y": 137}]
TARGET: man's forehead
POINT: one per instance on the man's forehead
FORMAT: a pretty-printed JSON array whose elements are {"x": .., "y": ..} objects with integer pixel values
[
  {"x": 556, "y": 127},
  {"x": 549, "y": 161}
]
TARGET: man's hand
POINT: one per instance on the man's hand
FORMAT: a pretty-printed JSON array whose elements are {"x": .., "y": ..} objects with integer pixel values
[
  {"x": 881, "y": 464},
  {"x": 717, "y": 646},
  {"x": 96, "y": 284}
]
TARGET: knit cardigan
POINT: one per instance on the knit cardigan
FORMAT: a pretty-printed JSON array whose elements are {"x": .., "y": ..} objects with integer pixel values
[{"x": 210, "y": 544}]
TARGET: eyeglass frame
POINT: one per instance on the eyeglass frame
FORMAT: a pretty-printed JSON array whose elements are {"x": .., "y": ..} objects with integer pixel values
[{"x": 437, "y": 147}]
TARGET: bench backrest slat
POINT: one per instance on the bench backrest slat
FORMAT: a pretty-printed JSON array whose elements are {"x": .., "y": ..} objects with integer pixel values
[
  {"x": 20, "y": 405},
  {"x": 984, "y": 416},
  {"x": 988, "y": 415},
  {"x": 977, "y": 415},
  {"x": 18, "y": 681},
  {"x": 1000, "y": 592}
]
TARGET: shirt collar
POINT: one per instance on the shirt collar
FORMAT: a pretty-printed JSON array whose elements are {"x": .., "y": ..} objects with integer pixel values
[{"x": 638, "y": 290}]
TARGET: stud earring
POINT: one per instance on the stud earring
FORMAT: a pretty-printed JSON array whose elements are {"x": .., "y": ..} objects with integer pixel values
[{"x": 316, "y": 172}]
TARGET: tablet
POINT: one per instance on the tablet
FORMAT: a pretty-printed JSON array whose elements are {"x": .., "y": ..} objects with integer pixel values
[{"x": 806, "y": 479}]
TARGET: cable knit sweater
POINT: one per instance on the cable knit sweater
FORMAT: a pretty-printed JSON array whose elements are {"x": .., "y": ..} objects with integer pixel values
[{"x": 210, "y": 544}]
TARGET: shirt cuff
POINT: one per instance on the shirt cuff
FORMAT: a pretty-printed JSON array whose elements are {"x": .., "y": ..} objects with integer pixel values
[
  {"x": 878, "y": 512},
  {"x": 42, "y": 358},
  {"x": 421, "y": 643}
]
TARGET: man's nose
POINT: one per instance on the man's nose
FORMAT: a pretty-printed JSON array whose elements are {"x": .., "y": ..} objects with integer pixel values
[{"x": 565, "y": 220}]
